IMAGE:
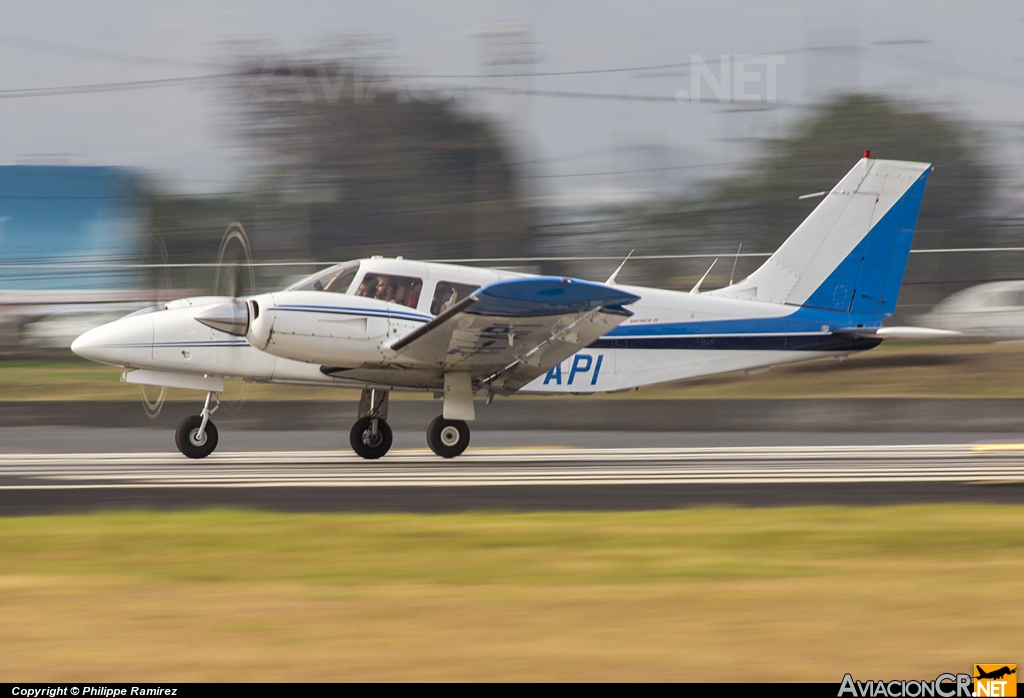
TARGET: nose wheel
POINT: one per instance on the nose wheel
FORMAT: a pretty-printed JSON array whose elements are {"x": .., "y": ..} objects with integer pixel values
[
  {"x": 192, "y": 442},
  {"x": 447, "y": 437},
  {"x": 371, "y": 436},
  {"x": 196, "y": 436}
]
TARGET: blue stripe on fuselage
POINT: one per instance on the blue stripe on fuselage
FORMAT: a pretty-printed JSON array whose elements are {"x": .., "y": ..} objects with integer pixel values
[
  {"x": 805, "y": 329},
  {"x": 801, "y": 320},
  {"x": 747, "y": 342},
  {"x": 356, "y": 312}
]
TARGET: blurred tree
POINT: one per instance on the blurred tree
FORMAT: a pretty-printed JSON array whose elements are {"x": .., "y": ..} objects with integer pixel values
[{"x": 353, "y": 163}]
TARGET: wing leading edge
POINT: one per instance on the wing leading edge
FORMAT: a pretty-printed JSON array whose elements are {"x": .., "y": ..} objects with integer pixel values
[{"x": 508, "y": 333}]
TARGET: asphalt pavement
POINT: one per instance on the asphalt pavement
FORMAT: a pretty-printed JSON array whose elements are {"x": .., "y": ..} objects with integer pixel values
[{"x": 71, "y": 469}]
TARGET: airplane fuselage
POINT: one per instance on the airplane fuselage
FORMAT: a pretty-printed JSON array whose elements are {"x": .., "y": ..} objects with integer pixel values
[{"x": 671, "y": 336}]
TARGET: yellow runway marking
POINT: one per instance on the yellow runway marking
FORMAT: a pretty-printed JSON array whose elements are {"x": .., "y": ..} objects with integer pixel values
[{"x": 997, "y": 447}]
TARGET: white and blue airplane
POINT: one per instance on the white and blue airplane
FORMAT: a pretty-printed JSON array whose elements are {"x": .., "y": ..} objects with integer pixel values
[{"x": 467, "y": 333}]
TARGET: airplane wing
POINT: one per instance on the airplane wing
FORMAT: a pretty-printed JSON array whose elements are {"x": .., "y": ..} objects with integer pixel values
[{"x": 508, "y": 333}]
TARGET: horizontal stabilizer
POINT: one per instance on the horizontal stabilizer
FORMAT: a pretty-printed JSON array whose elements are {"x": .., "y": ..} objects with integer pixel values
[{"x": 898, "y": 332}]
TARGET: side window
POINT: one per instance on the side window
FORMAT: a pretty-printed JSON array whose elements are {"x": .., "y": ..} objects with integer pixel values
[
  {"x": 404, "y": 290},
  {"x": 447, "y": 294}
]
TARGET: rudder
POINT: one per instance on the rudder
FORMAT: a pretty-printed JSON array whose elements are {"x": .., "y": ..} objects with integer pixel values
[{"x": 850, "y": 254}]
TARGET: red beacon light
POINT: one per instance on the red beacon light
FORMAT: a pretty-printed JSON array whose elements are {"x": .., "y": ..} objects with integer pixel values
[{"x": 867, "y": 153}]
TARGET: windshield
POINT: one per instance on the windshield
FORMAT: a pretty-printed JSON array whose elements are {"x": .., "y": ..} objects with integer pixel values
[{"x": 336, "y": 279}]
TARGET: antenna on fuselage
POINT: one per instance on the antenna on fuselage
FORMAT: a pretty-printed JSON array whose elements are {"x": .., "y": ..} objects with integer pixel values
[
  {"x": 696, "y": 287},
  {"x": 611, "y": 279},
  {"x": 734, "y": 260}
]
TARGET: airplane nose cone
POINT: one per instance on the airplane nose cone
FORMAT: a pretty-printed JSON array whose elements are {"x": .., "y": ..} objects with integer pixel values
[
  {"x": 231, "y": 317},
  {"x": 119, "y": 343},
  {"x": 86, "y": 345}
]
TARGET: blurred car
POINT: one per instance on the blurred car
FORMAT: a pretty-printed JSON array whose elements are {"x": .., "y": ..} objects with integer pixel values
[{"x": 988, "y": 310}]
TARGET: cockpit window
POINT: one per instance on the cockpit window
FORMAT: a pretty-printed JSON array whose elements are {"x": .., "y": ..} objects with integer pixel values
[
  {"x": 447, "y": 294},
  {"x": 337, "y": 279},
  {"x": 404, "y": 290}
]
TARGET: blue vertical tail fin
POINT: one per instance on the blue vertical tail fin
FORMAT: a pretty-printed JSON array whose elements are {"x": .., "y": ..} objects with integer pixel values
[{"x": 850, "y": 254}]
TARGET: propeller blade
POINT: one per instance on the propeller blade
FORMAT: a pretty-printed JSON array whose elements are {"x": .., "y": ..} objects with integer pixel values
[
  {"x": 234, "y": 254},
  {"x": 154, "y": 285}
]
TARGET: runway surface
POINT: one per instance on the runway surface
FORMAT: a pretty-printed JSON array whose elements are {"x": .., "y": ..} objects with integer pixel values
[{"x": 410, "y": 479}]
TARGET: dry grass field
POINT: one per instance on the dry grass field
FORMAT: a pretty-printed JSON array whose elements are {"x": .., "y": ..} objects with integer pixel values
[{"x": 772, "y": 594}]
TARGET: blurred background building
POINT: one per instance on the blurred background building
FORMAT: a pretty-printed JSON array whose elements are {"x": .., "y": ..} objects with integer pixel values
[{"x": 64, "y": 233}]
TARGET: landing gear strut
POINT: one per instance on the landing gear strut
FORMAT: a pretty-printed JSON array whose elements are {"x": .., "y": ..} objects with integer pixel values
[
  {"x": 371, "y": 436},
  {"x": 196, "y": 436},
  {"x": 447, "y": 437}
]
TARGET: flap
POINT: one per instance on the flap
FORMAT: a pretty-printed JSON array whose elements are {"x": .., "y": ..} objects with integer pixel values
[{"x": 508, "y": 333}]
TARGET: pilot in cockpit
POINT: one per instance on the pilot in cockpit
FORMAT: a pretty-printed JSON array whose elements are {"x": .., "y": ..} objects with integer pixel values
[{"x": 385, "y": 289}]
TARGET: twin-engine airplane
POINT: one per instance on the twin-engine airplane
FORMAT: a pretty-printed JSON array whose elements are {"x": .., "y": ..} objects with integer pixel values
[{"x": 466, "y": 333}]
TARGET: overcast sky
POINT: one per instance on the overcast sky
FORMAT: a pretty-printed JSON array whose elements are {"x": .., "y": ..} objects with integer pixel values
[{"x": 965, "y": 58}]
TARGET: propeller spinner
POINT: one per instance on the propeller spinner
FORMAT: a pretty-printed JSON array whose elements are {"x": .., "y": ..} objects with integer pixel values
[{"x": 231, "y": 317}]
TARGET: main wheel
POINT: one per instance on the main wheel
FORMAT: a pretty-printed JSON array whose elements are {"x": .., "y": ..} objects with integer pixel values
[
  {"x": 447, "y": 437},
  {"x": 190, "y": 443},
  {"x": 365, "y": 442}
]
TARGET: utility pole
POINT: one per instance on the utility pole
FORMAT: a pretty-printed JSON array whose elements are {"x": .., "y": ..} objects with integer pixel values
[{"x": 507, "y": 50}]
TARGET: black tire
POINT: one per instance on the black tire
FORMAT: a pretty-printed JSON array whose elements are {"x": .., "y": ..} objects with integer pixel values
[
  {"x": 185, "y": 438},
  {"x": 448, "y": 437},
  {"x": 365, "y": 443}
]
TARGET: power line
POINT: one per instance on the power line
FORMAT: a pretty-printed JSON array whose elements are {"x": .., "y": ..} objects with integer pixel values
[
  {"x": 101, "y": 54},
  {"x": 651, "y": 169},
  {"x": 172, "y": 82},
  {"x": 109, "y": 86},
  {"x": 600, "y": 71},
  {"x": 664, "y": 99},
  {"x": 463, "y": 260}
]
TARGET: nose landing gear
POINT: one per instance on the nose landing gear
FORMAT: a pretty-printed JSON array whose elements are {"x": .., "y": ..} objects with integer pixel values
[
  {"x": 196, "y": 436},
  {"x": 371, "y": 436}
]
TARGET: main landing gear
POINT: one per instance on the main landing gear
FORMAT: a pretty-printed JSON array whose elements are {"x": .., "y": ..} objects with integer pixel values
[
  {"x": 196, "y": 436},
  {"x": 371, "y": 436},
  {"x": 447, "y": 437}
]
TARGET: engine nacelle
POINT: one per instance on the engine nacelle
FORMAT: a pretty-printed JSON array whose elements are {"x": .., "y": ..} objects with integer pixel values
[
  {"x": 319, "y": 327},
  {"x": 261, "y": 320}
]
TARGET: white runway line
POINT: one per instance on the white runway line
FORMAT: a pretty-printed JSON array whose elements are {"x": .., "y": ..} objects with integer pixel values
[{"x": 990, "y": 463}]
